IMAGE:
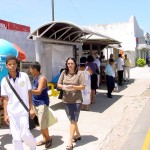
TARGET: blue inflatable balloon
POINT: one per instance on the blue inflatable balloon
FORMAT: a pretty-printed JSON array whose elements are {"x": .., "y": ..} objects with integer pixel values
[{"x": 6, "y": 49}]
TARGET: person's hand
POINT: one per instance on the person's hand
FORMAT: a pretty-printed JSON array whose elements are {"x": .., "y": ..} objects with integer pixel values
[
  {"x": 6, "y": 119},
  {"x": 64, "y": 87},
  {"x": 32, "y": 113},
  {"x": 70, "y": 86}
]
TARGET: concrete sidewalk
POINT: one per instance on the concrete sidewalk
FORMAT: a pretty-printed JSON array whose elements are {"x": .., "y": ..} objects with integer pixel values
[{"x": 97, "y": 125}]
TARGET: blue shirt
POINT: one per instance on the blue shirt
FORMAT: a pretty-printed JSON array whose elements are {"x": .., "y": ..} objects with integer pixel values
[
  {"x": 42, "y": 99},
  {"x": 109, "y": 70}
]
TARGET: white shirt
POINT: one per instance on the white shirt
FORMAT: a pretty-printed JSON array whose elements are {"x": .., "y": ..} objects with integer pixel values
[
  {"x": 120, "y": 64},
  {"x": 97, "y": 61},
  {"x": 109, "y": 70},
  {"x": 22, "y": 85}
]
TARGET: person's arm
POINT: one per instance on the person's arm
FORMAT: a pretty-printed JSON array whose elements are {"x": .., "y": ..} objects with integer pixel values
[
  {"x": 42, "y": 84},
  {"x": 81, "y": 85},
  {"x": 6, "y": 118},
  {"x": 31, "y": 109},
  {"x": 60, "y": 81},
  {"x": 77, "y": 87},
  {"x": 90, "y": 70}
]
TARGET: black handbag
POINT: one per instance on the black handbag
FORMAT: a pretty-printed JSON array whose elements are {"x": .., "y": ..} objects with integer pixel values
[
  {"x": 31, "y": 121},
  {"x": 60, "y": 96},
  {"x": 97, "y": 71}
]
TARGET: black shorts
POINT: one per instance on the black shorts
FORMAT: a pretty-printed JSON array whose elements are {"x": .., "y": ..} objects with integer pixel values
[{"x": 94, "y": 81}]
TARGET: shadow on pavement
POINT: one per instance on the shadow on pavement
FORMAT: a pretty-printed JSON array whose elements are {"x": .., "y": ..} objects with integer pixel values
[
  {"x": 5, "y": 139},
  {"x": 103, "y": 102},
  {"x": 120, "y": 88},
  {"x": 86, "y": 139},
  {"x": 57, "y": 106},
  {"x": 36, "y": 132},
  {"x": 57, "y": 140}
]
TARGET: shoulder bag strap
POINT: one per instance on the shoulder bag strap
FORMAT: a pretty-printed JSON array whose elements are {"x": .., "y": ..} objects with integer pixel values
[{"x": 19, "y": 98}]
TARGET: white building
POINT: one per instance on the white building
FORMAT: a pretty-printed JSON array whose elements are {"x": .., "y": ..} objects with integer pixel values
[{"x": 130, "y": 35}]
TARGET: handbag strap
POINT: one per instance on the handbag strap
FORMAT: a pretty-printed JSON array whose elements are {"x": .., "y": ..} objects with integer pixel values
[{"x": 19, "y": 98}]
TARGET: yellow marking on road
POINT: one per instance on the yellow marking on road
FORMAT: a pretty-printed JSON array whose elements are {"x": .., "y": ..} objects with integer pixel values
[{"x": 146, "y": 141}]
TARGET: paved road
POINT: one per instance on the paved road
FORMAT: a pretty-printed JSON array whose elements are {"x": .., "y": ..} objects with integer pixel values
[
  {"x": 139, "y": 137},
  {"x": 106, "y": 119}
]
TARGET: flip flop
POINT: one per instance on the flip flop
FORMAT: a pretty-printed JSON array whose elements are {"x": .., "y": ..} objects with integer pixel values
[
  {"x": 40, "y": 143},
  {"x": 48, "y": 143}
]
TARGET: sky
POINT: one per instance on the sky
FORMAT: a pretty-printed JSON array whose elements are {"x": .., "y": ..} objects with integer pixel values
[{"x": 35, "y": 13}]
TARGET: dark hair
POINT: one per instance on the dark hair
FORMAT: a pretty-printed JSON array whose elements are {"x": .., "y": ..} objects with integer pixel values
[
  {"x": 120, "y": 55},
  {"x": 11, "y": 57},
  {"x": 36, "y": 65},
  {"x": 111, "y": 60},
  {"x": 83, "y": 61},
  {"x": 76, "y": 66},
  {"x": 90, "y": 58}
]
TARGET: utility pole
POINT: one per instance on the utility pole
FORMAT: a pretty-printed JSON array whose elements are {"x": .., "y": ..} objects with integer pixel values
[{"x": 52, "y": 10}]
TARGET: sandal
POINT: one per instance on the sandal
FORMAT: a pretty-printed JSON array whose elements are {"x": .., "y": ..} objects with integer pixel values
[
  {"x": 69, "y": 147},
  {"x": 77, "y": 139},
  {"x": 48, "y": 143},
  {"x": 40, "y": 143}
]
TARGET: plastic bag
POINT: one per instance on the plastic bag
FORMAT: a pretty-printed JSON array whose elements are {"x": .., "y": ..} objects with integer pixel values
[{"x": 116, "y": 87}]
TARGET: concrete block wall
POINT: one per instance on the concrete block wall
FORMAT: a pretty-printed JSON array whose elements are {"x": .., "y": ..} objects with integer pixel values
[{"x": 20, "y": 38}]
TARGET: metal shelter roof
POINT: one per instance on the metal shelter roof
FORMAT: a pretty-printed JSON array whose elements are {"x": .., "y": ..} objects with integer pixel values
[{"x": 67, "y": 33}]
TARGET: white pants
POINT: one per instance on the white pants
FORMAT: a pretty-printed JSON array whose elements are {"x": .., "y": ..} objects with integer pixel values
[
  {"x": 127, "y": 72},
  {"x": 19, "y": 127}
]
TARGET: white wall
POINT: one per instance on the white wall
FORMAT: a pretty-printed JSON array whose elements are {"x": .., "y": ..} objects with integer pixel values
[
  {"x": 20, "y": 38},
  {"x": 52, "y": 57}
]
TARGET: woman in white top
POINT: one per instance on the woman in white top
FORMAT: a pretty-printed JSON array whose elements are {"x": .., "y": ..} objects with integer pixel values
[{"x": 86, "y": 93}]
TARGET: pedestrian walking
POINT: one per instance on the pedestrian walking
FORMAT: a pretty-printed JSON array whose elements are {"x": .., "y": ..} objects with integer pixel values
[
  {"x": 114, "y": 64},
  {"x": 120, "y": 67},
  {"x": 97, "y": 61},
  {"x": 110, "y": 77},
  {"x": 41, "y": 103},
  {"x": 86, "y": 93},
  {"x": 15, "y": 114},
  {"x": 72, "y": 82},
  {"x": 127, "y": 64},
  {"x": 95, "y": 71}
]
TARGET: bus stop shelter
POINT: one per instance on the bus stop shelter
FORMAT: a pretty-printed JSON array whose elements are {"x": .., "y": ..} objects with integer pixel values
[{"x": 56, "y": 41}]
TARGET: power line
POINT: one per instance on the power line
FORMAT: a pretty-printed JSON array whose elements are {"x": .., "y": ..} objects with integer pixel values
[{"x": 76, "y": 10}]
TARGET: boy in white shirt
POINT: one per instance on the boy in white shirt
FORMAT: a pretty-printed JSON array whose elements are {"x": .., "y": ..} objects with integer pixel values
[
  {"x": 120, "y": 67},
  {"x": 15, "y": 114}
]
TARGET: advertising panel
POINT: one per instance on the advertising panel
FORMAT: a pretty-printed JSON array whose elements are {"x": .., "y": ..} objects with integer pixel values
[
  {"x": 3, "y": 24},
  {"x": 3, "y": 69},
  {"x": 13, "y": 26}
]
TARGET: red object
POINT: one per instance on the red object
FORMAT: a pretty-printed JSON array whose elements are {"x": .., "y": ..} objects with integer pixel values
[
  {"x": 21, "y": 53},
  {"x": 14, "y": 26},
  {"x": 121, "y": 52},
  {"x": 3, "y": 24}
]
